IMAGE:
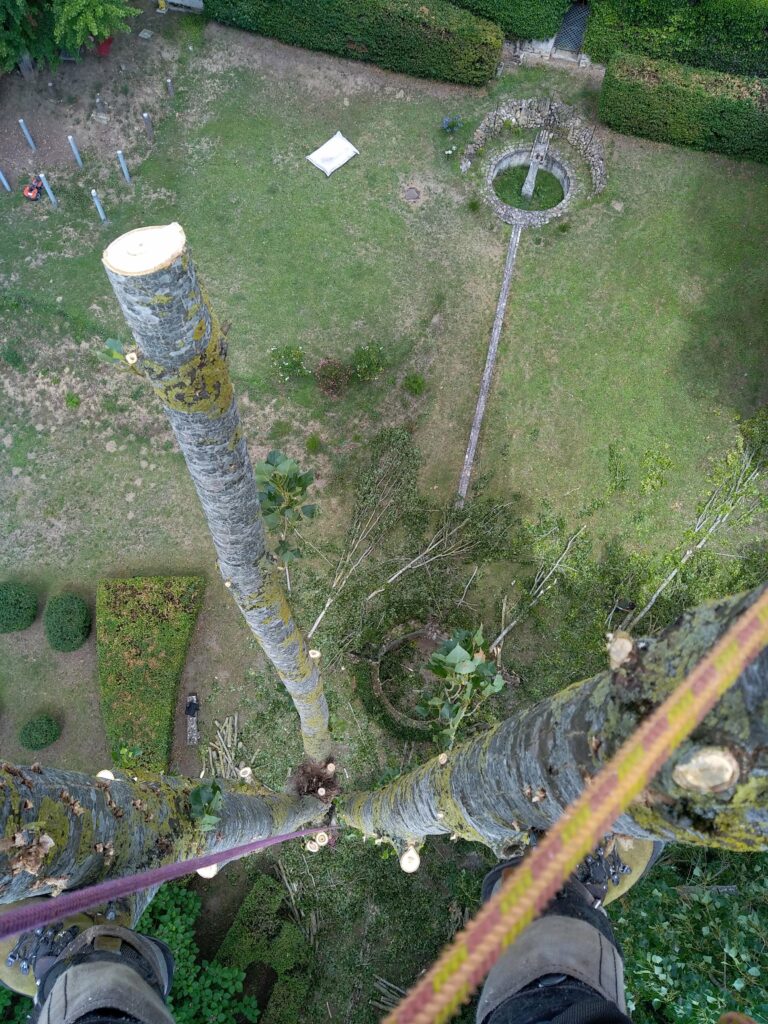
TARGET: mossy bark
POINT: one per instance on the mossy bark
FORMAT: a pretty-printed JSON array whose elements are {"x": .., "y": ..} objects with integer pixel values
[
  {"x": 103, "y": 829},
  {"x": 521, "y": 774},
  {"x": 183, "y": 353}
]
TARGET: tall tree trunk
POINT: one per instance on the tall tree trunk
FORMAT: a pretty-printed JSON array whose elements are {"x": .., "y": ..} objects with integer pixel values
[
  {"x": 522, "y": 774},
  {"x": 67, "y": 829},
  {"x": 182, "y": 352}
]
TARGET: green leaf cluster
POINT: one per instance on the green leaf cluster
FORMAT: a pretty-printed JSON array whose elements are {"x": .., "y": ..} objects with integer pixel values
[
  {"x": 261, "y": 933},
  {"x": 143, "y": 629},
  {"x": 282, "y": 493},
  {"x": 686, "y": 106},
  {"x": 202, "y": 992},
  {"x": 367, "y": 361},
  {"x": 67, "y": 621},
  {"x": 18, "y": 607},
  {"x": 288, "y": 360},
  {"x": 434, "y": 40},
  {"x": 42, "y": 29},
  {"x": 205, "y": 801},
  {"x": 726, "y": 35},
  {"x": 470, "y": 676}
]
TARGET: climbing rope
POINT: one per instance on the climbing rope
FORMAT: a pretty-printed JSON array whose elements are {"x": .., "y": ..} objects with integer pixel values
[{"x": 529, "y": 888}]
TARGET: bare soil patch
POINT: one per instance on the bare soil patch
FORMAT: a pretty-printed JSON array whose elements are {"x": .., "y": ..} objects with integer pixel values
[
  {"x": 34, "y": 678},
  {"x": 130, "y": 80}
]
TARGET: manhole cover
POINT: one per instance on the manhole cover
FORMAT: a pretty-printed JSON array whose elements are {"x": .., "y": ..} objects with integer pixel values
[{"x": 412, "y": 195}]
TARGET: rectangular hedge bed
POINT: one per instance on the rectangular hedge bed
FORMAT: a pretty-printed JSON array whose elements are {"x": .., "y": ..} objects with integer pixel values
[
  {"x": 143, "y": 629},
  {"x": 686, "y": 106},
  {"x": 434, "y": 40}
]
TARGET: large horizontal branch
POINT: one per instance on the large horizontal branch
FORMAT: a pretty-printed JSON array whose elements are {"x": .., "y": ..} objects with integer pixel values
[
  {"x": 521, "y": 774},
  {"x": 66, "y": 829}
]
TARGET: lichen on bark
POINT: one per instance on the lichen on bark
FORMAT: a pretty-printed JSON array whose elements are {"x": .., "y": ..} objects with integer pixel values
[{"x": 98, "y": 828}]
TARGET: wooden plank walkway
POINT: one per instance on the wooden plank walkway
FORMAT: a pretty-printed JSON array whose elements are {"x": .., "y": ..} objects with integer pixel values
[{"x": 490, "y": 363}]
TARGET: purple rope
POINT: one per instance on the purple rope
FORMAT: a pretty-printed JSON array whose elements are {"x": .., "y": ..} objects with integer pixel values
[{"x": 24, "y": 919}]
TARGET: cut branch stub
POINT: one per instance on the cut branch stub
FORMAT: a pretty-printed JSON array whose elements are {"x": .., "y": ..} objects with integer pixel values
[
  {"x": 707, "y": 770},
  {"x": 183, "y": 353}
]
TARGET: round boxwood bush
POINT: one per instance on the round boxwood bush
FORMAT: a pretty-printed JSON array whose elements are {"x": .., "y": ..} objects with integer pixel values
[
  {"x": 67, "y": 622},
  {"x": 18, "y": 607},
  {"x": 40, "y": 731}
]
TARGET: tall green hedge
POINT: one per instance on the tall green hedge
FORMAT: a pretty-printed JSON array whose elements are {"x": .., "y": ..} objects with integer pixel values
[
  {"x": 726, "y": 35},
  {"x": 143, "y": 629},
  {"x": 687, "y": 106},
  {"x": 524, "y": 19},
  {"x": 430, "y": 38}
]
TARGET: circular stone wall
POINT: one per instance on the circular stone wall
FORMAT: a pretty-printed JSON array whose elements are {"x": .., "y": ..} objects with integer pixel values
[{"x": 553, "y": 163}]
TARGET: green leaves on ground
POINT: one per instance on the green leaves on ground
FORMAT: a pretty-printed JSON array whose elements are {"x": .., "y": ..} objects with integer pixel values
[
  {"x": 143, "y": 629},
  {"x": 469, "y": 672},
  {"x": 710, "y": 902}
]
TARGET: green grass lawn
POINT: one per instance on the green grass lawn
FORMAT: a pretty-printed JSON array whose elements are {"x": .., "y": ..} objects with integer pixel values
[
  {"x": 642, "y": 327},
  {"x": 638, "y": 326},
  {"x": 547, "y": 191}
]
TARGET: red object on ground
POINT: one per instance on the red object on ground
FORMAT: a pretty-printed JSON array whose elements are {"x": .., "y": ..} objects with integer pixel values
[
  {"x": 104, "y": 46},
  {"x": 33, "y": 189}
]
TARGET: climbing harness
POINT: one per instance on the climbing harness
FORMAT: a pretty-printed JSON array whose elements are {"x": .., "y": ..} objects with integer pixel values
[{"x": 530, "y": 887}]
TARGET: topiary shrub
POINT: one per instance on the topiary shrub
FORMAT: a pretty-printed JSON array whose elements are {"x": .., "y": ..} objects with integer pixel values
[
  {"x": 435, "y": 40},
  {"x": 67, "y": 620},
  {"x": 18, "y": 607},
  {"x": 40, "y": 731},
  {"x": 726, "y": 35},
  {"x": 525, "y": 19},
  {"x": 686, "y": 106}
]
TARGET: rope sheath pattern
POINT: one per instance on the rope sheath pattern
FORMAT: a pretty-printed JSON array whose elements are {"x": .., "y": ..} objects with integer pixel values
[{"x": 528, "y": 890}]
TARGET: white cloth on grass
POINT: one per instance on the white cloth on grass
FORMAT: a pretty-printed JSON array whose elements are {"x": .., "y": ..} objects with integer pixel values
[{"x": 333, "y": 154}]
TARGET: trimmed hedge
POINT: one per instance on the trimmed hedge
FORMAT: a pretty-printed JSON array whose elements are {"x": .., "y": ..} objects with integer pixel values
[
  {"x": 143, "y": 629},
  {"x": 726, "y": 35},
  {"x": 434, "y": 40},
  {"x": 687, "y": 106},
  {"x": 67, "y": 621},
  {"x": 39, "y": 732},
  {"x": 260, "y": 934},
  {"x": 524, "y": 19},
  {"x": 18, "y": 607}
]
